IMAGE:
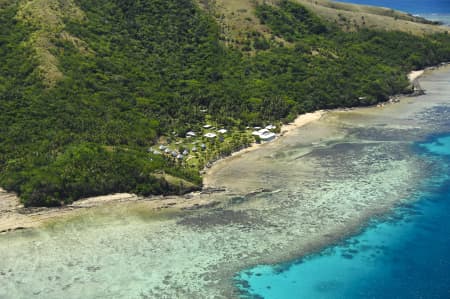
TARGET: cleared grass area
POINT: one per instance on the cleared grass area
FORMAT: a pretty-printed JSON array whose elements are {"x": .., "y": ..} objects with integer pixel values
[
  {"x": 352, "y": 17},
  {"x": 183, "y": 185},
  {"x": 48, "y": 17},
  {"x": 236, "y": 18},
  {"x": 239, "y": 25},
  {"x": 237, "y": 21}
]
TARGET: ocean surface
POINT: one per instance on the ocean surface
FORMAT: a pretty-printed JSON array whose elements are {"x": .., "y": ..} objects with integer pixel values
[
  {"x": 403, "y": 255},
  {"x": 436, "y": 10}
]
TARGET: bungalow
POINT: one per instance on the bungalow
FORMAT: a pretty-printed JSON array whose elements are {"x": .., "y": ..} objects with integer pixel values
[
  {"x": 203, "y": 146},
  {"x": 167, "y": 150},
  {"x": 207, "y": 126},
  {"x": 162, "y": 147},
  {"x": 210, "y": 135},
  {"x": 267, "y": 136},
  {"x": 185, "y": 152},
  {"x": 155, "y": 152},
  {"x": 271, "y": 127},
  {"x": 264, "y": 135},
  {"x": 260, "y": 132},
  {"x": 222, "y": 131},
  {"x": 180, "y": 157},
  {"x": 174, "y": 154},
  {"x": 194, "y": 149},
  {"x": 190, "y": 134}
]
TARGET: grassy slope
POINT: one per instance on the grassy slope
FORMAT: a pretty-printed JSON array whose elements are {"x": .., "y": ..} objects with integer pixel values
[
  {"x": 237, "y": 18},
  {"x": 352, "y": 16}
]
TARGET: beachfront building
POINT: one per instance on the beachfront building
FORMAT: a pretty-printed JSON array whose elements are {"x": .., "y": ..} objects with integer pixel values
[
  {"x": 210, "y": 135},
  {"x": 190, "y": 134},
  {"x": 264, "y": 135},
  {"x": 260, "y": 132},
  {"x": 268, "y": 136}
]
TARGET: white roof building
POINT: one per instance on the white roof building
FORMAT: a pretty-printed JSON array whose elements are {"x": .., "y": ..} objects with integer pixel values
[
  {"x": 222, "y": 131},
  {"x": 267, "y": 136},
  {"x": 210, "y": 135},
  {"x": 207, "y": 126},
  {"x": 271, "y": 127},
  {"x": 264, "y": 135},
  {"x": 191, "y": 134},
  {"x": 260, "y": 132}
]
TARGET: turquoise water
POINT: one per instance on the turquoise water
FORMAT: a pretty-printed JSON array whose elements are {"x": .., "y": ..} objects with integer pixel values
[{"x": 404, "y": 255}]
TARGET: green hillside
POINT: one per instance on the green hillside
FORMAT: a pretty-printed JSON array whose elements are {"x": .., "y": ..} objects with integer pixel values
[{"x": 84, "y": 96}]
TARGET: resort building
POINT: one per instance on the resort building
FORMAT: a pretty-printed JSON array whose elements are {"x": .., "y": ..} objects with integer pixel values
[
  {"x": 210, "y": 135},
  {"x": 264, "y": 135}
]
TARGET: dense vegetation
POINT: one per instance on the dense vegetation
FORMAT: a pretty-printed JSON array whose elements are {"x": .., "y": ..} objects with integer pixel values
[{"x": 150, "y": 69}]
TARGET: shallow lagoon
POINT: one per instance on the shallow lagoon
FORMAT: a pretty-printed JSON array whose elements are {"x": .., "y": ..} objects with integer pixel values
[
  {"x": 402, "y": 255},
  {"x": 287, "y": 199}
]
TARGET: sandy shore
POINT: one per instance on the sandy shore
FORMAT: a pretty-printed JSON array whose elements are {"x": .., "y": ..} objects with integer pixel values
[
  {"x": 14, "y": 216},
  {"x": 300, "y": 121},
  {"x": 414, "y": 75},
  {"x": 312, "y": 187}
]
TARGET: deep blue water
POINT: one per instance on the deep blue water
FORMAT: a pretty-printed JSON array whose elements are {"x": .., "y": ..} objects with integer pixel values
[
  {"x": 411, "y": 6},
  {"x": 405, "y": 255},
  {"x": 435, "y": 10}
]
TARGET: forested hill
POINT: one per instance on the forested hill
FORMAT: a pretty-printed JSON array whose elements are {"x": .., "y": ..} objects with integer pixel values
[{"x": 87, "y": 87}]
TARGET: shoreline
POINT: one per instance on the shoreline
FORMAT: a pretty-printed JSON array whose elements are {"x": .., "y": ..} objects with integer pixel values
[
  {"x": 312, "y": 190},
  {"x": 13, "y": 216},
  {"x": 286, "y": 129}
]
